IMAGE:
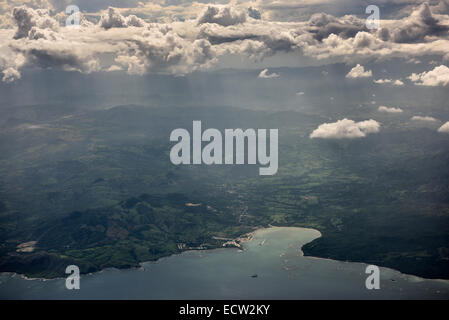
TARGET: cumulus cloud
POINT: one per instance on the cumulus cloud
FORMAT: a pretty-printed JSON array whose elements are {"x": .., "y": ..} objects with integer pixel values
[
  {"x": 10, "y": 75},
  {"x": 265, "y": 75},
  {"x": 114, "y": 68},
  {"x": 222, "y": 15},
  {"x": 439, "y": 76},
  {"x": 7, "y": 7},
  {"x": 346, "y": 129},
  {"x": 113, "y": 19},
  {"x": 444, "y": 128},
  {"x": 424, "y": 118},
  {"x": 321, "y": 25},
  {"x": 136, "y": 46},
  {"x": 420, "y": 24},
  {"x": 390, "y": 109},
  {"x": 38, "y": 41},
  {"x": 359, "y": 72},
  {"x": 29, "y": 21},
  {"x": 200, "y": 34},
  {"x": 398, "y": 82},
  {"x": 10, "y": 63},
  {"x": 383, "y": 81}
]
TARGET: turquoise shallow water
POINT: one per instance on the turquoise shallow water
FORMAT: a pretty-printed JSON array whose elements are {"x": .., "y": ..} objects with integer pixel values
[{"x": 274, "y": 255}]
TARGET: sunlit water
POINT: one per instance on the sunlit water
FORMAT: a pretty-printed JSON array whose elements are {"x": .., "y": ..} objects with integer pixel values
[{"x": 273, "y": 255}]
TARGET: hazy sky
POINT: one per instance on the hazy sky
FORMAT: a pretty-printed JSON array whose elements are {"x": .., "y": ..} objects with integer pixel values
[{"x": 178, "y": 38}]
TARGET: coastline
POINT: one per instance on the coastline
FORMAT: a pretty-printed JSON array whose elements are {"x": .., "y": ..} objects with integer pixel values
[
  {"x": 239, "y": 241},
  {"x": 246, "y": 237}
]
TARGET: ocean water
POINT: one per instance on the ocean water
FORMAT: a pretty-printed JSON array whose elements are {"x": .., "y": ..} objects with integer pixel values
[{"x": 273, "y": 255}]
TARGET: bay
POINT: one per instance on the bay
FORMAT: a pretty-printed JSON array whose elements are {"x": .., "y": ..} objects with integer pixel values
[{"x": 270, "y": 266}]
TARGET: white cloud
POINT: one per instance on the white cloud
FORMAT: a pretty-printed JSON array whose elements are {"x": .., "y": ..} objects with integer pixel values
[
  {"x": 359, "y": 72},
  {"x": 420, "y": 24},
  {"x": 424, "y": 118},
  {"x": 10, "y": 63},
  {"x": 10, "y": 74},
  {"x": 397, "y": 82},
  {"x": 222, "y": 15},
  {"x": 6, "y": 9},
  {"x": 30, "y": 20},
  {"x": 114, "y": 68},
  {"x": 113, "y": 19},
  {"x": 345, "y": 129},
  {"x": 194, "y": 35},
  {"x": 383, "y": 81},
  {"x": 444, "y": 128},
  {"x": 265, "y": 75},
  {"x": 390, "y": 109},
  {"x": 300, "y": 93},
  {"x": 135, "y": 46},
  {"x": 439, "y": 76}
]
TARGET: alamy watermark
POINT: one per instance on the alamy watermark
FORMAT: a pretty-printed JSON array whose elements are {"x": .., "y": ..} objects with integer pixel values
[
  {"x": 373, "y": 20},
  {"x": 74, "y": 17},
  {"x": 373, "y": 280},
  {"x": 212, "y": 153},
  {"x": 73, "y": 280}
]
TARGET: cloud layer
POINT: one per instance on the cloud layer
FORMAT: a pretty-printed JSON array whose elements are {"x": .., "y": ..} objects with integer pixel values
[{"x": 196, "y": 35}]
